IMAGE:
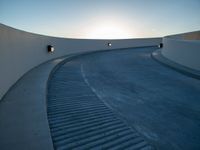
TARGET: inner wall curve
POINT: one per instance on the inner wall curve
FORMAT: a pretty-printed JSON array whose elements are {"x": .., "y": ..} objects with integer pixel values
[{"x": 21, "y": 51}]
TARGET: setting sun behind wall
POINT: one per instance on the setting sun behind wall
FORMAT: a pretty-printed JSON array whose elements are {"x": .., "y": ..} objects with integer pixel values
[{"x": 110, "y": 30}]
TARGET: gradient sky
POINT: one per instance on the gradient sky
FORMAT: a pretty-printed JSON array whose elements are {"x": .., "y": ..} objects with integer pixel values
[{"x": 102, "y": 18}]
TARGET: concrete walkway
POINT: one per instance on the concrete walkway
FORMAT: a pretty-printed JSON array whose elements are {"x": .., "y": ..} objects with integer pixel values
[
  {"x": 121, "y": 99},
  {"x": 23, "y": 116},
  {"x": 94, "y": 99},
  {"x": 80, "y": 120}
]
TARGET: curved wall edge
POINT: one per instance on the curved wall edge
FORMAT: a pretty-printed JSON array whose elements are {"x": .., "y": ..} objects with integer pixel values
[
  {"x": 21, "y": 51},
  {"x": 181, "y": 51}
]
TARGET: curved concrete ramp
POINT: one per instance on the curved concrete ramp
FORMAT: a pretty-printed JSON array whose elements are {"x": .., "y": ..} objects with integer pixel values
[
  {"x": 80, "y": 120},
  {"x": 122, "y": 100},
  {"x": 86, "y": 123}
]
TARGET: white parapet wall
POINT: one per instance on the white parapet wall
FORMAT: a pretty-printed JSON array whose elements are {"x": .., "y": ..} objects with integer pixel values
[
  {"x": 183, "y": 49},
  {"x": 20, "y": 51}
]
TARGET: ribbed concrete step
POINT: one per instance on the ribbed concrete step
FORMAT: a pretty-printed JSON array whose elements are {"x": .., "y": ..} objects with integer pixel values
[{"x": 79, "y": 120}]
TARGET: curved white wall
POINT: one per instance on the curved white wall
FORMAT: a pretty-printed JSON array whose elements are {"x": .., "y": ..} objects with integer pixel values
[
  {"x": 21, "y": 51},
  {"x": 181, "y": 51}
]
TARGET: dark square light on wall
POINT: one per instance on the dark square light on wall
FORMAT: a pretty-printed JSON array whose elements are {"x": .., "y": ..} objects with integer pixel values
[
  {"x": 50, "y": 49},
  {"x": 109, "y": 44},
  {"x": 160, "y": 45}
]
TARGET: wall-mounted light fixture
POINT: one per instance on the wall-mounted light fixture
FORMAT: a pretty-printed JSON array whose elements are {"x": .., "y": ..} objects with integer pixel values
[
  {"x": 160, "y": 45},
  {"x": 50, "y": 49},
  {"x": 109, "y": 44}
]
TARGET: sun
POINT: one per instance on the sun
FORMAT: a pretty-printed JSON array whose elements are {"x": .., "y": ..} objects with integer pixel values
[{"x": 109, "y": 30}]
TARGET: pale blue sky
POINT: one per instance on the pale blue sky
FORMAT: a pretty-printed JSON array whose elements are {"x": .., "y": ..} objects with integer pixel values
[{"x": 102, "y": 18}]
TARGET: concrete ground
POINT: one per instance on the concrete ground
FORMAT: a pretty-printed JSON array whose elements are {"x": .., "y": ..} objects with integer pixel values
[
  {"x": 23, "y": 116},
  {"x": 123, "y": 99},
  {"x": 120, "y": 99}
]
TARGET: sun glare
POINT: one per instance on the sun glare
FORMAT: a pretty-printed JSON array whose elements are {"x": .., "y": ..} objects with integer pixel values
[{"x": 109, "y": 30}]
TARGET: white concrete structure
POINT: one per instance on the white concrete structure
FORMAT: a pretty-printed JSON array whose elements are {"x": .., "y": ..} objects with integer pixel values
[
  {"x": 21, "y": 51},
  {"x": 183, "y": 49}
]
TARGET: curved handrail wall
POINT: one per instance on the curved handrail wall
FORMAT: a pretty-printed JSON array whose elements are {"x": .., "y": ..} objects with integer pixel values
[
  {"x": 181, "y": 51},
  {"x": 20, "y": 51}
]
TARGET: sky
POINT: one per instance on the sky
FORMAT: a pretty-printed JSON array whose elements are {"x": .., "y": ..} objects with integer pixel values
[{"x": 102, "y": 19}]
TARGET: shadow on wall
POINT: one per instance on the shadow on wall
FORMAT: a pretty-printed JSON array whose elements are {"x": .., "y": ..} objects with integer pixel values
[{"x": 20, "y": 51}]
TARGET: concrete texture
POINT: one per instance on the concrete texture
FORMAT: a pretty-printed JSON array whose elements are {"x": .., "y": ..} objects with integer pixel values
[
  {"x": 178, "y": 67},
  {"x": 181, "y": 51},
  {"x": 79, "y": 120},
  {"x": 156, "y": 102},
  {"x": 24, "y": 124},
  {"x": 21, "y": 51}
]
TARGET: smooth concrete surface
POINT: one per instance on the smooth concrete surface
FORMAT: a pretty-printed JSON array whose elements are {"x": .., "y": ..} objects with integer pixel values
[
  {"x": 181, "y": 51},
  {"x": 23, "y": 116},
  {"x": 21, "y": 51},
  {"x": 186, "y": 53},
  {"x": 79, "y": 120},
  {"x": 178, "y": 67},
  {"x": 159, "y": 103}
]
